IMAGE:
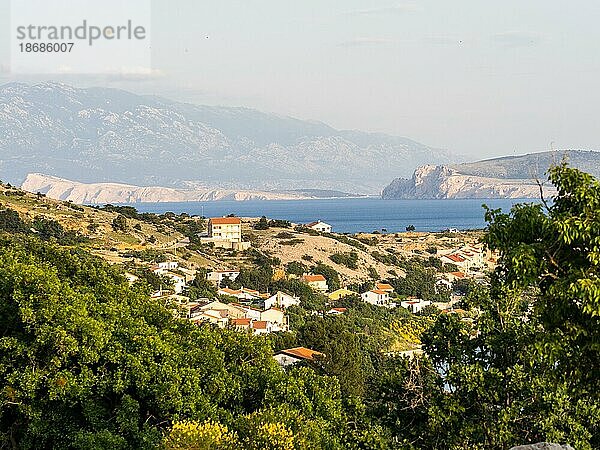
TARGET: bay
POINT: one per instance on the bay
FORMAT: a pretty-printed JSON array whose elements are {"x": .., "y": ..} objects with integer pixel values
[{"x": 351, "y": 215}]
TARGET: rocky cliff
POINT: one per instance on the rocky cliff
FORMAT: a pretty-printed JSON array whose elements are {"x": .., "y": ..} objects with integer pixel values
[
  {"x": 101, "y": 193},
  {"x": 443, "y": 182},
  {"x": 509, "y": 177}
]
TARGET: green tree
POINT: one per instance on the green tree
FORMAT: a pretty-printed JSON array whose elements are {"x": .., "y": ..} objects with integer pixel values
[
  {"x": 526, "y": 369},
  {"x": 262, "y": 224},
  {"x": 119, "y": 223}
]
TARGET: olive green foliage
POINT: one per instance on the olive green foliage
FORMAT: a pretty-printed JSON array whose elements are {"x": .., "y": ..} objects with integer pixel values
[
  {"x": 349, "y": 259},
  {"x": 119, "y": 223},
  {"x": 527, "y": 369},
  {"x": 88, "y": 361},
  {"x": 46, "y": 229}
]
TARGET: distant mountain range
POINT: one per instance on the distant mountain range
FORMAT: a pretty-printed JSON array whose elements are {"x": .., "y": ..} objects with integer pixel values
[
  {"x": 106, "y": 135},
  {"x": 507, "y": 177}
]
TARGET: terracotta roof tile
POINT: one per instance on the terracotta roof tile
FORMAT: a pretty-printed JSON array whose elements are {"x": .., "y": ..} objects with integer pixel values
[
  {"x": 225, "y": 221},
  {"x": 302, "y": 352}
]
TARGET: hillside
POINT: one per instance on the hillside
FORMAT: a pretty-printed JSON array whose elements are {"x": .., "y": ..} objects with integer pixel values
[
  {"x": 507, "y": 177},
  {"x": 148, "y": 236},
  {"x": 107, "y": 135}
]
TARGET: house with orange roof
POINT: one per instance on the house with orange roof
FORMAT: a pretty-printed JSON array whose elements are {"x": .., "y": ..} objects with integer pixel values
[
  {"x": 317, "y": 282},
  {"x": 337, "y": 311},
  {"x": 241, "y": 324},
  {"x": 225, "y": 232},
  {"x": 376, "y": 297},
  {"x": 296, "y": 355},
  {"x": 225, "y": 228}
]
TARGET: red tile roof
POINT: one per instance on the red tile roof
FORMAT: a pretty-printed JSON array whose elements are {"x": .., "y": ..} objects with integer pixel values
[
  {"x": 302, "y": 352},
  {"x": 260, "y": 325},
  {"x": 455, "y": 258},
  {"x": 225, "y": 221},
  {"x": 384, "y": 287},
  {"x": 312, "y": 278},
  {"x": 458, "y": 274},
  {"x": 242, "y": 321}
]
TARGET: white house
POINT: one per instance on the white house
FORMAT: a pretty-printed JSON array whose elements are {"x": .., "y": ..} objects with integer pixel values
[
  {"x": 415, "y": 306},
  {"x": 131, "y": 278},
  {"x": 295, "y": 355},
  {"x": 178, "y": 282},
  {"x": 168, "y": 265},
  {"x": 319, "y": 226},
  {"x": 384, "y": 287},
  {"x": 281, "y": 300},
  {"x": 376, "y": 297},
  {"x": 217, "y": 276},
  {"x": 317, "y": 282},
  {"x": 249, "y": 311},
  {"x": 225, "y": 228}
]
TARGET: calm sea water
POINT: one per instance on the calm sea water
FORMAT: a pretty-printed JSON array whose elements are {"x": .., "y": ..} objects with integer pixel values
[{"x": 350, "y": 215}]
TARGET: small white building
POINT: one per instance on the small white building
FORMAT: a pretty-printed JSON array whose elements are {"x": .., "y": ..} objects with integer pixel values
[
  {"x": 168, "y": 265},
  {"x": 217, "y": 276},
  {"x": 282, "y": 300},
  {"x": 276, "y": 317},
  {"x": 319, "y": 226},
  {"x": 337, "y": 311},
  {"x": 416, "y": 305},
  {"x": 178, "y": 281},
  {"x": 376, "y": 297}
]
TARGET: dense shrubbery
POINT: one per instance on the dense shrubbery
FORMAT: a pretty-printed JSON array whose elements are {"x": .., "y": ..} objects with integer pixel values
[
  {"x": 349, "y": 259},
  {"x": 89, "y": 362},
  {"x": 46, "y": 229}
]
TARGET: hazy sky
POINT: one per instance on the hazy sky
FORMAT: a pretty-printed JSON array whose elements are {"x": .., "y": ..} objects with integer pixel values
[{"x": 477, "y": 77}]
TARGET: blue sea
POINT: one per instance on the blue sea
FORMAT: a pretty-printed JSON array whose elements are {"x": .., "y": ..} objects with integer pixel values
[{"x": 351, "y": 215}]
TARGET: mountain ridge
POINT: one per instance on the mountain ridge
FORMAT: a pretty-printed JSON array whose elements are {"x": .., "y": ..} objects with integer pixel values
[{"x": 111, "y": 135}]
